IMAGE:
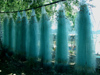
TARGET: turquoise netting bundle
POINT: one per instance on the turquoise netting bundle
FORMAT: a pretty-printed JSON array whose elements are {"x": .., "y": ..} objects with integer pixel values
[
  {"x": 18, "y": 34},
  {"x": 33, "y": 37},
  {"x": 62, "y": 53},
  {"x": 85, "y": 55},
  {"x": 24, "y": 35},
  {"x": 5, "y": 34},
  {"x": 11, "y": 34},
  {"x": 45, "y": 49}
]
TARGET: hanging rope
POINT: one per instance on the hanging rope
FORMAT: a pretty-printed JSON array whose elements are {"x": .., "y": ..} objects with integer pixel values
[{"x": 34, "y": 7}]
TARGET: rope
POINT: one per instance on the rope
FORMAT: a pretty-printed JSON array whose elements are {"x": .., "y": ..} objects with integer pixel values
[{"x": 34, "y": 7}]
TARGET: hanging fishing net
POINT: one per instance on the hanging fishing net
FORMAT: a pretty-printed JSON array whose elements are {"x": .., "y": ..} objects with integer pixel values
[
  {"x": 33, "y": 37},
  {"x": 61, "y": 59},
  {"x": 18, "y": 34},
  {"x": 85, "y": 55},
  {"x": 24, "y": 35},
  {"x": 45, "y": 49},
  {"x": 11, "y": 34},
  {"x": 5, "y": 33}
]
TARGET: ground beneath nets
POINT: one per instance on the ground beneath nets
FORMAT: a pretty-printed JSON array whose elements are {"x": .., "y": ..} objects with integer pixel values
[{"x": 12, "y": 65}]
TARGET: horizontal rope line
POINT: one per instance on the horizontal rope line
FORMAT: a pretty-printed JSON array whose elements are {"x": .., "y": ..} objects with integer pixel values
[{"x": 34, "y": 7}]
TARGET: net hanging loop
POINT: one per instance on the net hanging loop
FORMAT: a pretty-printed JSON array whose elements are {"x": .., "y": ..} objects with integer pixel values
[
  {"x": 33, "y": 12},
  {"x": 6, "y": 15},
  {"x": 10, "y": 15},
  {"x": 18, "y": 14},
  {"x": 61, "y": 6},
  {"x": 43, "y": 10},
  {"x": 82, "y": 2},
  {"x": 24, "y": 13}
]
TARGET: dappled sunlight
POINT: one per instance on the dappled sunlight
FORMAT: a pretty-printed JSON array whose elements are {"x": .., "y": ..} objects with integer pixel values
[{"x": 54, "y": 38}]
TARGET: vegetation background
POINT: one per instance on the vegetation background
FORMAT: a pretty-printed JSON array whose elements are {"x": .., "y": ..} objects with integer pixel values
[{"x": 17, "y": 5}]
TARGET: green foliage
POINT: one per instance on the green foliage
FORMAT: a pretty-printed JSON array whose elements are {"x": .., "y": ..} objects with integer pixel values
[{"x": 15, "y": 5}]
